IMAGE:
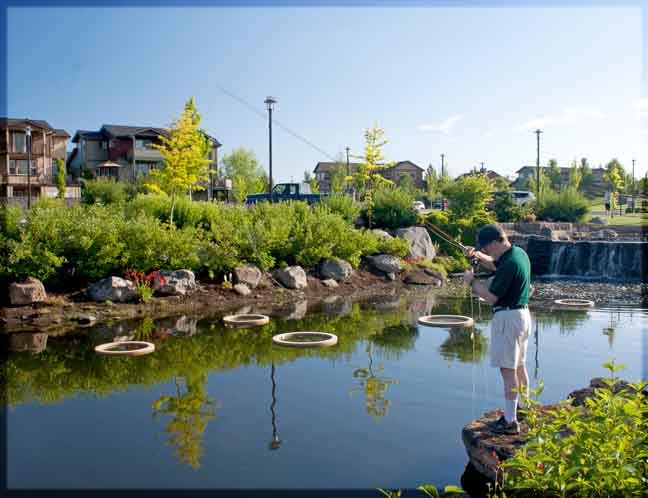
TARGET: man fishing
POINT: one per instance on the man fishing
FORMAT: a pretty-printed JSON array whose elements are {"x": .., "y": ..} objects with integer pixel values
[{"x": 508, "y": 293}]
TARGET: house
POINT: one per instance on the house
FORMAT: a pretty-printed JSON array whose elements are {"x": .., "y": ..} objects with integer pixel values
[
  {"x": 495, "y": 177},
  {"x": 47, "y": 145},
  {"x": 597, "y": 186},
  {"x": 122, "y": 152},
  {"x": 395, "y": 173}
]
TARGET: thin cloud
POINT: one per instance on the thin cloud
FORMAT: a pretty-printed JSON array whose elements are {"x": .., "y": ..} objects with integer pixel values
[
  {"x": 569, "y": 116},
  {"x": 641, "y": 107},
  {"x": 488, "y": 133},
  {"x": 444, "y": 127}
]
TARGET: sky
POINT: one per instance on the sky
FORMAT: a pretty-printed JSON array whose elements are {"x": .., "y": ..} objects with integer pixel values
[{"x": 471, "y": 83}]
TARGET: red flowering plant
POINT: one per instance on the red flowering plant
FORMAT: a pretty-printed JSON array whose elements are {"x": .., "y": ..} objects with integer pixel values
[{"x": 144, "y": 283}]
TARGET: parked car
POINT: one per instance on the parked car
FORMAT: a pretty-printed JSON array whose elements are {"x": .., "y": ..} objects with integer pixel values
[
  {"x": 287, "y": 192},
  {"x": 521, "y": 197},
  {"x": 440, "y": 204},
  {"x": 418, "y": 206}
]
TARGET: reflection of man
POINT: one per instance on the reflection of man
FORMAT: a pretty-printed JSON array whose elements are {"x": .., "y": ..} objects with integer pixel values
[{"x": 509, "y": 295}]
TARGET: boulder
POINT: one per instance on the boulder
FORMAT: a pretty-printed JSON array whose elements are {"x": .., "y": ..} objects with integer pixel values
[
  {"x": 604, "y": 234},
  {"x": 115, "y": 289},
  {"x": 381, "y": 234},
  {"x": 329, "y": 282},
  {"x": 248, "y": 275},
  {"x": 420, "y": 277},
  {"x": 293, "y": 277},
  {"x": 434, "y": 273},
  {"x": 385, "y": 263},
  {"x": 420, "y": 242},
  {"x": 390, "y": 276},
  {"x": 242, "y": 289},
  {"x": 86, "y": 319},
  {"x": 336, "y": 269},
  {"x": 599, "y": 220},
  {"x": 295, "y": 311},
  {"x": 29, "y": 292},
  {"x": 175, "y": 283},
  {"x": 33, "y": 343}
]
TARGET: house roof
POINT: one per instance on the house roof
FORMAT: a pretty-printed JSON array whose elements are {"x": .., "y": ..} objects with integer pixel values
[
  {"x": 400, "y": 163},
  {"x": 59, "y": 132},
  {"x": 111, "y": 130},
  {"x": 326, "y": 167},
  {"x": 109, "y": 164},
  {"x": 563, "y": 169},
  {"x": 38, "y": 123}
]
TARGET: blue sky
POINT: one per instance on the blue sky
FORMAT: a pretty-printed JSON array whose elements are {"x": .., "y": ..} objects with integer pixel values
[{"x": 467, "y": 82}]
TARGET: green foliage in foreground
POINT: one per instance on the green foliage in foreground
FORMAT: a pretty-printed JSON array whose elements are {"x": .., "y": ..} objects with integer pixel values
[{"x": 56, "y": 243}]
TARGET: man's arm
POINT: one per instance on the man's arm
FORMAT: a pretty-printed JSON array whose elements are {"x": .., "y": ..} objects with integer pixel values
[{"x": 481, "y": 289}]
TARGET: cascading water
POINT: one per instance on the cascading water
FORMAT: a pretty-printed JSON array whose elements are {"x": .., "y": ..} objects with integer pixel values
[{"x": 588, "y": 259}]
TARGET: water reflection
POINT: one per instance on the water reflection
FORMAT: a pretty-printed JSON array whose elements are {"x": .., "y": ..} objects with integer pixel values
[
  {"x": 275, "y": 443},
  {"x": 190, "y": 411},
  {"x": 28, "y": 342},
  {"x": 466, "y": 345},
  {"x": 373, "y": 386}
]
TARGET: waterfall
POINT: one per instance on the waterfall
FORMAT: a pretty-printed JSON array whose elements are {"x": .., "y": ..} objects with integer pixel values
[{"x": 626, "y": 260}]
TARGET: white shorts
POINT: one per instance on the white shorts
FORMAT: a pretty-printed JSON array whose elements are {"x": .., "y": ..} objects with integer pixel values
[{"x": 509, "y": 338}]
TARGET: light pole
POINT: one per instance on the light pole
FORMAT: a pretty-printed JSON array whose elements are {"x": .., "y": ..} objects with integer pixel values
[
  {"x": 633, "y": 186},
  {"x": 442, "y": 165},
  {"x": 270, "y": 102},
  {"x": 537, "y": 132},
  {"x": 28, "y": 137},
  {"x": 348, "y": 171}
]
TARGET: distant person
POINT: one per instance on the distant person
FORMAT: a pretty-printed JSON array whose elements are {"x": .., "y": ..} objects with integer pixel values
[
  {"x": 508, "y": 293},
  {"x": 607, "y": 198}
]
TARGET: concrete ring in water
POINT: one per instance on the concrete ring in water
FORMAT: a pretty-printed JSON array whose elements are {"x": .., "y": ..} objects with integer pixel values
[
  {"x": 305, "y": 339},
  {"x": 249, "y": 320},
  {"x": 575, "y": 303},
  {"x": 446, "y": 321},
  {"x": 125, "y": 348}
]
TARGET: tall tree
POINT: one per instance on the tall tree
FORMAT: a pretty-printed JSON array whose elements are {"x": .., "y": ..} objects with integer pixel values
[
  {"x": 185, "y": 154},
  {"x": 613, "y": 176},
  {"x": 60, "y": 178},
  {"x": 575, "y": 177},
  {"x": 247, "y": 176},
  {"x": 587, "y": 177},
  {"x": 553, "y": 172}
]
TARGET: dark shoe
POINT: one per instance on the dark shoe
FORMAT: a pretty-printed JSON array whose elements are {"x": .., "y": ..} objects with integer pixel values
[{"x": 501, "y": 426}]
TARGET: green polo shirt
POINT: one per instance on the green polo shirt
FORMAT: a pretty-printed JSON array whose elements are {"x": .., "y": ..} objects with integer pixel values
[{"x": 512, "y": 278}]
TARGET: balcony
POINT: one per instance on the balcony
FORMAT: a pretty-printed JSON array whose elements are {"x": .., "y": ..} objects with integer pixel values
[{"x": 147, "y": 154}]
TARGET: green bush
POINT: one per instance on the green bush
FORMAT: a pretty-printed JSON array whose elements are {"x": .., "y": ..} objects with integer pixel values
[
  {"x": 468, "y": 195},
  {"x": 105, "y": 191},
  {"x": 507, "y": 210},
  {"x": 344, "y": 205},
  {"x": 568, "y": 205},
  {"x": 392, "y": 208}
]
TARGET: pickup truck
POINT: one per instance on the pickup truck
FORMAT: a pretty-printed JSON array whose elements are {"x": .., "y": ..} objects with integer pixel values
[{"x": 287, "y": 192}]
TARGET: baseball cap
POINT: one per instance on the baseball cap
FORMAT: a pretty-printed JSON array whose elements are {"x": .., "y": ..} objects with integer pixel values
[{"x": 488, "y": 234}]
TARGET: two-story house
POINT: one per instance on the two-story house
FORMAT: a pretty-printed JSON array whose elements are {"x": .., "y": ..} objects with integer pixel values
[
  {"x": 122, "y": 152},
  {"x": 47, "y": 145},
  {"x": 597, "y": 186},
  {"x": 395, "y": 173}
]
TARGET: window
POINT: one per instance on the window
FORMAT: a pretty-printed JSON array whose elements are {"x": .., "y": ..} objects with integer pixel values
[
  {"x": 19, "y": 167},
  {"x": 19, "y": 141},
  {"x": 103, "y": 145},
  {"x": 143, "y": 167},
  {"x": 143, "y": 144}
]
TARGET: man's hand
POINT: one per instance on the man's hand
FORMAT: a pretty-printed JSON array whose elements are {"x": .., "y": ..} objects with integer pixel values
[
  {"x": 469, "y": 251},
  {"x": 468, "y": 276}
]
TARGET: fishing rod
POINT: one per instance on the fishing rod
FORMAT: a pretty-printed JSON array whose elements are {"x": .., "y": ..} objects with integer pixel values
[{"x": 443, "y": 235}]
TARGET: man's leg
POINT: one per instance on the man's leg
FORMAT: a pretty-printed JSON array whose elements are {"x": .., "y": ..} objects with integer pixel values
[
  {"x": 523, "y": 380},
  {"x": 510, "y": 396}
]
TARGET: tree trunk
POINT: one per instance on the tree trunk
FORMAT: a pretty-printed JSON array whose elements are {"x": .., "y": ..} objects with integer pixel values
[
  {"x": 190, "y": 194},
  {"x": 173, "y": 201}
]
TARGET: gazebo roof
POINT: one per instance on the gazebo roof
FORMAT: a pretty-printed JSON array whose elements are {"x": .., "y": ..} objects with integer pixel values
[{"x": 108, "y": 164}]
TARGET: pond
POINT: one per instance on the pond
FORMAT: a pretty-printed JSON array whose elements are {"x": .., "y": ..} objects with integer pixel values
[{"x": 215, "y": 407}]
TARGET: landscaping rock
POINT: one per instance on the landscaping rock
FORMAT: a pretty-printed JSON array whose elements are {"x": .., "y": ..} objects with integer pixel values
[
  {"x": 86, "y": 319},
  {"x": 385, "y": 263},
  {"x": 28, "y": 292},
  {"x": 295, "y": 311},
  {"x": 420, "y": 242},
  {"x": 248, "y": 275},
  {"x": 599, "y": 220},
  {"x": 113, "y": 289},
  {"x": 434, "y": 273},
  {"x": 381, "y": 234},
  {"x": 33, "y": 343},
  {"x": 242, "y": 289},
  {"x": 175, "y": 283},
  {"x": 390, "y": 276},
  {"x": 293, "y": 277},
  {"x": 420, "y": 277},
  {"x": 336, "y": 269},
  {"x": 329, "y": 282},
  {"x": 337, "y": 306},
  {"x": 604, "y": 234}
]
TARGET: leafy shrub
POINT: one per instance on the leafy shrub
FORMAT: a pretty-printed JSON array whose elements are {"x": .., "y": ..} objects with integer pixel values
[
  {"x": 468, "y": 195},
  {"x": 594, "y": 450},
  {"x": 568, "y": 205},
  {"x": 392, "y": 208},
  {"x": 105, "y": 191},
  {"x": 343, "y": 205},
  {"x": 507, "y": 210}
]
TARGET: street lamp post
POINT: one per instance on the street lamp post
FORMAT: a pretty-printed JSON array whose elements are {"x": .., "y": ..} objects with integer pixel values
[
  {"x": 28, "y": 137},
  {"x": 537, "y": 132},
  {"x": 270, "y": 102},
  {"x": 348, "y": 171},
  {"x": 633, "y": 186}
]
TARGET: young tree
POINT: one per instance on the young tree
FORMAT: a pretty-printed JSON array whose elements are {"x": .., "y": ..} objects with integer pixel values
[
  {"x": 185, "y": 157},
  {"x": 613, "y": 177},
  {"x": 587, "y": 177},
  {"x": 338, "y": 175},
  {"x": 60, "y": 178},
  {"x": 553, "y": 172},
  {"x": 575, "y": 177},
  {"x": 532, "y": 184},
  {"x": 247, "y": 176},
  {"x": 367, "y": 176},
  {"x": 468, "y": 195},
  {"x": 310, "y": 179}
]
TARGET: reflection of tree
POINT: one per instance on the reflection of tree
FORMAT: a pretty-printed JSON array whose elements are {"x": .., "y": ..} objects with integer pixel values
[
  {"x": 190, "y": 412},
  {"x": 567, "y": 320},
  {"x": 396, "y": 338},
  {"x": 464, "y": 344},
  {"x": 610, "y": 330},
  {"x": 374, "y": 387},
  {"x": 275, "y": 444}
]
